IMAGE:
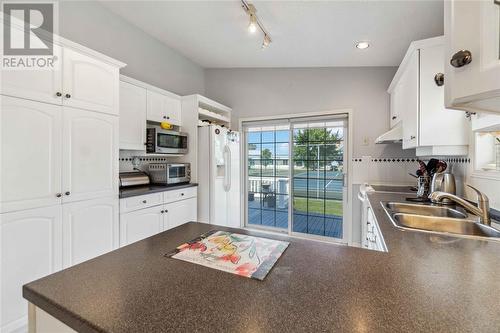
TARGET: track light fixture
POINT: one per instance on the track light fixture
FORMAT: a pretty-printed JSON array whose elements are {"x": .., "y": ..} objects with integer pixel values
[{"x": 254, "y": 23}]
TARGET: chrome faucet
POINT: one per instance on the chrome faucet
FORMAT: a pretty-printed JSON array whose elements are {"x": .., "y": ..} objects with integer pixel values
[{"x": 482, "y": 209}]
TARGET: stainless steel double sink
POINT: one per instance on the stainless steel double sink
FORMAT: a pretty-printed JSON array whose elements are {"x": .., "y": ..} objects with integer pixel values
[{"x": 438, "y": 219}]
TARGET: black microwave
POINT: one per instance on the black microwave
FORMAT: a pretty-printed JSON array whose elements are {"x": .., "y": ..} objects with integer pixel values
[{"x": 162, "y": 141}]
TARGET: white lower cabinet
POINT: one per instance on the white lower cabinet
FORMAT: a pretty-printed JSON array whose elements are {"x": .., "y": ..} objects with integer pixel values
[
  {"x": 31, "y": 247},
  {"x": 173, "y": 210},
  {"x": 38, "y": 242},
  {"x": 140, "y": 224},
  {"x": 180, "y": 212},
  {"x": 90, "y": 228},
  {"x": 372, "y": 238}
]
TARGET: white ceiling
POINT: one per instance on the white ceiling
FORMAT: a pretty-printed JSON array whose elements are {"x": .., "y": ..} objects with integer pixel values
[{"x": 305, "y": 33}]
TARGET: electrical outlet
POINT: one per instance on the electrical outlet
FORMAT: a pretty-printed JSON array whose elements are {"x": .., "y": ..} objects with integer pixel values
[{"x": 366, "y": 141}]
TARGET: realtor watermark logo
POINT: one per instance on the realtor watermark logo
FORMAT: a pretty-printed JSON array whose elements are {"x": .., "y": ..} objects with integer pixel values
[{"x": 28, "y": 35}]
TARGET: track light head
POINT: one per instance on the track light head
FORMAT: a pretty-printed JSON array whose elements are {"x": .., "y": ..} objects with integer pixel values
[
  {"x": 266, "y": 41},
  {"x": 252, "y": 26}
]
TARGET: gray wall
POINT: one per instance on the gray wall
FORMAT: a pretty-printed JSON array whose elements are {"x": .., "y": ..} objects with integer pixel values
[
  {"x": 93, "y": 25},
  {"x": 262, "y": 92}
]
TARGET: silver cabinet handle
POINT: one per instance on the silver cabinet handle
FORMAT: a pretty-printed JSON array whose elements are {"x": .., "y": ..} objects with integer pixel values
[
  {"x": 59, "y": 195},
  {"x": 144, "y": 201},
  {"x": 67, "y": 96},
  {"x": 412, "y": 137},
  {"x": 461, "y": 58}
]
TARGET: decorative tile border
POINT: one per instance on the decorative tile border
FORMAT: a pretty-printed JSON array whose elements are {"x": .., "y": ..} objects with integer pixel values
[{"x": 407, "y": 160}]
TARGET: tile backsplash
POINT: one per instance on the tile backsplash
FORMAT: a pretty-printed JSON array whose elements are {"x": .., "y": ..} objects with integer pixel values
[
  {"x": 127, "y": 157},
  {"x": 395, "y": 170}
]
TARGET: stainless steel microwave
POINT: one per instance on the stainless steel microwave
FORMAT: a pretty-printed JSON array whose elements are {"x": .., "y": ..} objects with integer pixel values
[{"x": 162, "y": 141}]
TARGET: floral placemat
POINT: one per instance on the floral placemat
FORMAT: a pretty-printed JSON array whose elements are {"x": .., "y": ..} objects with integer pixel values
[{"x": 239, "y": 254}]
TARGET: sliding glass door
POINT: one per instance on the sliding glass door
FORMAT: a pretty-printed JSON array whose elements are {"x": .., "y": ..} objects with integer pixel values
[
  {"x": 318, "y": 181},
  {"x": 267, "y": 176},
  {"x": 295, "y": 175}
]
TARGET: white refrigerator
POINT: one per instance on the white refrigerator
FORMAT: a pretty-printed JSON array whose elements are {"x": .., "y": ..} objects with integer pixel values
[{"x": 219, "y": 196}]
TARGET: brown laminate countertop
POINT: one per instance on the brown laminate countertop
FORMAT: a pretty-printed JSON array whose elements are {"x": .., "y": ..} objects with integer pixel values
[{"x": 425, "y": 283}]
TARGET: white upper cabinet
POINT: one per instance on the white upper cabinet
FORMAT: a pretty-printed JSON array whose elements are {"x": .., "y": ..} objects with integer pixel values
[
  {"x": 31, "y": 154},
  {"x": 31, "y": 248},
  {"x": 133, "y": 102},
  {"x": 38, "y": 85},
  {"x": 89, "y": 83},
  {"x": 161, "y": 107},
  {"x": 439, "y": 126},
  {"x": 77, "y": 80},
  {"x": 90, "y": 228},
  {"x": 416, "y": 95},
  {"x": 409, "y": 101},
  {"x": 472, "y": 55},
  {"x": 90, "y": 155}
]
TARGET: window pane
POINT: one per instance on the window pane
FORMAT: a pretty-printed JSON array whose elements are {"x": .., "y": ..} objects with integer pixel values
[
  {"x": 268, "y": 136},
  {"x": 315, "y": 225},
  {"x": 254, "y": 185},
  {"x": 254, "y": 216},
  {"x": 282, "y": 168},
  {"x": 300, "y": 168},
  {"x": 267, "y": 151},
  {"x": 267, "y": 168},
  {"x": 282, "y": 202},
  {"x": 282, "y": 150},
  {"x": 335, "y": 134},
  {"x": 315, "y": 207},
  {"x": 299, "y": 204},
  {"x": 254, "y": 150},
  {"x": 282, "y": 186},
  {"x": 282, "y": 136},
  {"x": 316, "y": 135},
  {"x": 268, "y": 218},
  {"x": 253, "y": 137},
  {"x": 254, "y": 168}
]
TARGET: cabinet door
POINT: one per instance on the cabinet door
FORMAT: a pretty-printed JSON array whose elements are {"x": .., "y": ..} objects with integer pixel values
[
  {"x": 180, "y": 212},
  {"x": 38, "y": 85},
  {"x": 156, "y": 106},
  {"x": 409, "y": 101},
  {"x": 439, "y": 126},
  {"x": 163, "y": 108},
  {"x": 174, "y": 112},
  {"x": 89, "y": 83},
  {"x": 473, "y": 26},
  {"x": 395, "y": 95},
  {"x": 133, "y": 104},
  {"x": 140, "y": 224},
  {"x": 90, "y": 155},
  {"x": 90, "y": 228},
  {"x": 31, "y": 247},
  {"x": 31, "y": 154}
]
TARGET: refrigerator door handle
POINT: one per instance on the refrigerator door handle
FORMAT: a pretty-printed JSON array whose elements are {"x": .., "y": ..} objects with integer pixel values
[{"x": 227, "y": 181}]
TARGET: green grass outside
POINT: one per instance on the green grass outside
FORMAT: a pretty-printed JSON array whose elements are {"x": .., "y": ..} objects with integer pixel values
[{"x": 333, "y": 207}]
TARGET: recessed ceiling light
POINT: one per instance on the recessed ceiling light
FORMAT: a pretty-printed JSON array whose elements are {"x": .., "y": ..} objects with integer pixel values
[{"x": 362, "y": 45}]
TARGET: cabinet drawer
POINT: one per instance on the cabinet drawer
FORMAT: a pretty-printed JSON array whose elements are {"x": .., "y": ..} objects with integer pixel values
[
  {"x": 141, "y": 201},
  {"x": 175, "y": 195}
]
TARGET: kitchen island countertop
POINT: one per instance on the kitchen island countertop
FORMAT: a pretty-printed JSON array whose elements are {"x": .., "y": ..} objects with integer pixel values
[{"x": 425, "y": 283}]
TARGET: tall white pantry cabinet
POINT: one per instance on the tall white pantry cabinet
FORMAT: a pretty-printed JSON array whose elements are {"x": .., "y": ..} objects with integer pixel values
[{"x": 58, "y": 170}]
